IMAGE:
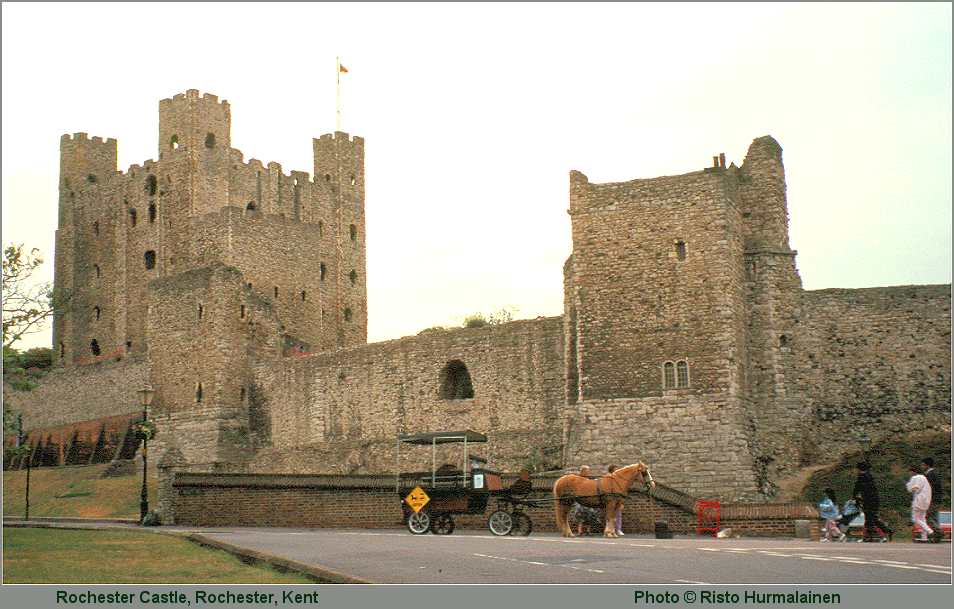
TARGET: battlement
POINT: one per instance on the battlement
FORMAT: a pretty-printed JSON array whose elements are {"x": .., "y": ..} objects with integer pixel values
[
  {"x": 193, "y": 94},
  {"x": 84, "y": 138},
  {"x": 339, "y": 136}
]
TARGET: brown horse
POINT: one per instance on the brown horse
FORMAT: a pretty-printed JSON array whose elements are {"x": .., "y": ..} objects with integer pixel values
[{"x": 610, "y": 490}]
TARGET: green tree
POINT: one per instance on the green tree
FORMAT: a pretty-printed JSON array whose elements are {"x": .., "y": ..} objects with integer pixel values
[{"x": 27, "y": 305}]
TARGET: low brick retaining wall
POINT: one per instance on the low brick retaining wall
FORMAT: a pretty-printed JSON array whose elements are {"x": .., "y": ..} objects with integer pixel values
[{"x": 324, "y": 501}]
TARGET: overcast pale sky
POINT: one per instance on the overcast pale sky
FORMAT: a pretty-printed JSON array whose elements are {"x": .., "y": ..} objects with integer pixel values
[{"x": 474, "y": 115}]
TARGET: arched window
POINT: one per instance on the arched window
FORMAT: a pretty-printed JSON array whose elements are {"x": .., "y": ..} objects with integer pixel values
[
  {"x": 174, "y": 142},
  {"x": 455, "y": 382},
  {"x": 94, "y": 347},
  {"x": 150, "y": 259},
  {"x": 132, "y": 217},
  {"x": 152, "y": 213},
  {"x": 669, "y": 375},
  {"x": 783, "y": 341},
  {"x": 353, "y": 276},
  {"x": 347, "y": 314},
  {"x": 354, "y": 232},
  {"x": 682, "y": 374},
  {"x": 151, "y": 185},
  {"x": 210, "y": 140}
]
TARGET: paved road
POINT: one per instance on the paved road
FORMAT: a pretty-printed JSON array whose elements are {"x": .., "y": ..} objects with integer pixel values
[{"x": 396, "y": 556}]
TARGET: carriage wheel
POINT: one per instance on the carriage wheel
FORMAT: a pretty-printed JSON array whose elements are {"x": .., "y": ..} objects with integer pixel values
[
  {"x": 442, "y": 525},
  {"x": 419, "y": 522},
  {"x": 522, "y": 525},
  {"x": 500, "y": 523}
]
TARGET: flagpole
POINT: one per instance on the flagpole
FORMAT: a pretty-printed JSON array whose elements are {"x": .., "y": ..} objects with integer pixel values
[{"x": 338, "y": 93}]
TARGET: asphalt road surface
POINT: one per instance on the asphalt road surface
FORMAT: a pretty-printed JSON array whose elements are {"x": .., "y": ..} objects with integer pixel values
[{"x": 396, "y": 556}]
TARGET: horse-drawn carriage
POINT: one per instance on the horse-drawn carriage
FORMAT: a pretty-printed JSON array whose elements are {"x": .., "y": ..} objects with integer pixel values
[{"x": 430, "y": 500}]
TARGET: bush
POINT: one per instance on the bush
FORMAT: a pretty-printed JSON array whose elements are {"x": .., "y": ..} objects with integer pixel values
[
  {"x": 477, "y": 320},
  {"x": 39, "y": 357},
  {"x": 22, "y": 384},
  {"x": 152, "y": 519}
]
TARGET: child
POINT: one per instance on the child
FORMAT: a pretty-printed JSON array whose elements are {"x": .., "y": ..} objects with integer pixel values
[{"x": 828, "y": 508}]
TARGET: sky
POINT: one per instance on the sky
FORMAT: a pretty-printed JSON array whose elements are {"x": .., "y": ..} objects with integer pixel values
[{"x": 474, "y": 114}]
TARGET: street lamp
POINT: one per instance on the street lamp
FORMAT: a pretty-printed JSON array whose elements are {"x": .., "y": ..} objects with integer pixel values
[
  {"x": 865, "y": 441},
  {"x": 145, "y": 398}
]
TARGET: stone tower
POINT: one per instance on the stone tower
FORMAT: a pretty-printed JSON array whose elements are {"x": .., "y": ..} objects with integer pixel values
[
  {"x": 298, "y": 242},
  {"x": 681, "y": 297}
]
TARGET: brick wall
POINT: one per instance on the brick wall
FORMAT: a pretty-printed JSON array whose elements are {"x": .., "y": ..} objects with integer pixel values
[{"x": 371, "y": 502}]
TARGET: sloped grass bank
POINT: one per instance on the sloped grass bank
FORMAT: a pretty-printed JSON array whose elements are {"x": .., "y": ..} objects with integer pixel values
[{"x": 76, "y": 491}]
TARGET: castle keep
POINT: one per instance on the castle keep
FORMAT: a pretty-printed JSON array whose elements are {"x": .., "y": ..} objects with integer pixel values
[{"x": 239, "y": 293}]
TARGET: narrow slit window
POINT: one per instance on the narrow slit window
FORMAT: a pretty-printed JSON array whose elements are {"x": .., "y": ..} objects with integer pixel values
[
  {"x": 95, "y": 228},
  {"x": 97, "y": 311},
  {"x": 132, "y": 217},
  {"x": 150, "y": 259},
  {"x": 680, "y": 250},
  {"x": 242, "y": 312},
  {"x": 353, "y": 276},
  {"x": 322, "y": 270},
  {"x": 200, "y": 311},
  {"x": 276, "y": 291},
  {"x": 347, "y": 314},
  {"x": 99, "y": 272},
  {"x": 303, "y": 296},
  {"x": 152, "y": 213},
  {"x": 151, "y": 185},
  {"x": 94, "y": 347},
  {"x": 198, "y": 392},
  {"x": 353, "y": 230}
]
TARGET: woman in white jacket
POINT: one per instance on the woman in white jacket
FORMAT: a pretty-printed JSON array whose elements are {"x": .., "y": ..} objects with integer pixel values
[{"x": 920, "y": 502}]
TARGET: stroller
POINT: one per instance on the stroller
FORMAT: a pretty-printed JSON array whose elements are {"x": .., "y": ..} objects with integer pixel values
[{"x": 586, "y": 521}]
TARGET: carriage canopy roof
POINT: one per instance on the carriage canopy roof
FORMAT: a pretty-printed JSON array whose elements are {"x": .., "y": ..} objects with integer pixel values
[{"x": 442, "y": 437}]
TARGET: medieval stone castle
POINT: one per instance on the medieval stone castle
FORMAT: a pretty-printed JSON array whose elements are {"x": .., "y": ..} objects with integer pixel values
[{"x": 239, "y": 293}]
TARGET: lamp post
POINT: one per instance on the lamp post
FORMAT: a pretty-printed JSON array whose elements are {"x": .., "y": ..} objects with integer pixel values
[
  {"x": 145, "y": 398},
  {"x": 865, "y": 441}
]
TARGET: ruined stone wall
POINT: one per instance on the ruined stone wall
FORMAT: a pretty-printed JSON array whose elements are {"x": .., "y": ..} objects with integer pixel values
[
  {"x": 103, "y": 389},
  {"x": 341, "y": 411},
  {"x": 875, "y": 361}
]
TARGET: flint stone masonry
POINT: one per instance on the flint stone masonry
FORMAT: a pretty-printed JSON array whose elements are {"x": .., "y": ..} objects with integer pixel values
[{"x": 252, "y": 327}]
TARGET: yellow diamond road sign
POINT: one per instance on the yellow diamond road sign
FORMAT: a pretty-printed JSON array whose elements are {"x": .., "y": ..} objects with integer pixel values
[{"x": 417, "y": 499}]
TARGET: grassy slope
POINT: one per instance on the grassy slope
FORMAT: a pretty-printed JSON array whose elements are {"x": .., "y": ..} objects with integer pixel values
[
  {"x": 889, "y": 462},
  {"x": 76, "y": 491},
  {"x": 72, "y": 556}
]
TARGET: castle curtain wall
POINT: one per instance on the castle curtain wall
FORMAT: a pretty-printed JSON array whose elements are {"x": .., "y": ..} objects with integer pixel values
[
  {"x": 874, "y": 361},
  {"x": 340, "y": 412}
]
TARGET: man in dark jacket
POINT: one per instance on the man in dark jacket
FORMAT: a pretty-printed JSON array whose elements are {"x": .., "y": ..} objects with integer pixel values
[
  {"x": 937, "y": 495},
  {"x": 866, "y": 493}
]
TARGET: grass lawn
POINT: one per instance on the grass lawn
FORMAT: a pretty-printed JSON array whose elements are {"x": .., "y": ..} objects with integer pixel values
[
  {"x": 76, "y": 490},
  {"x": 58, "y": 556}
]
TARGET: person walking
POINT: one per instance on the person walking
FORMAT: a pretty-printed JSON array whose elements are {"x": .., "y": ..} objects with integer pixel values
[
  {"x": 920, "y": 489},
  {"x": 937, "y": 495},
  {"x": 828, "y": 509},
  {"x": 866, "y": 492}
]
